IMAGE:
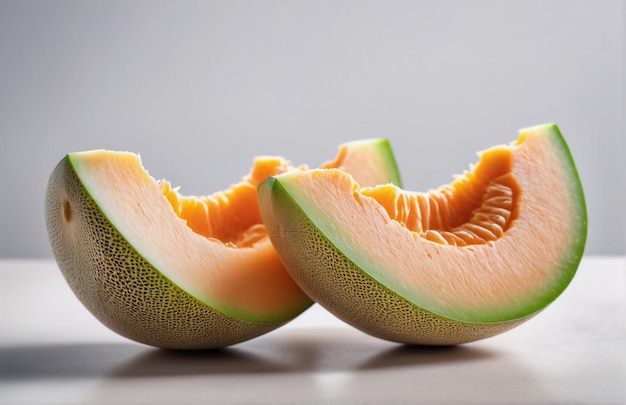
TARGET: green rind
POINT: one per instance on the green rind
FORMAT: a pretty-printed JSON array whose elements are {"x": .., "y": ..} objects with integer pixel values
[
  {"x": 346, "y": 290},
  {"x": 390, "y": 158},
  {"x": 579, "y": 237},
  {"x": 139, "y": 302},
  {"x": 383, "y": 148}
]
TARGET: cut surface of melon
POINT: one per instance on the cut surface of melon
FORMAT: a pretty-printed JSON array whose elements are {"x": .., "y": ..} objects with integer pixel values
[
  {"x": 471, "y": 258},
  {"x": 178, "y": 271}
]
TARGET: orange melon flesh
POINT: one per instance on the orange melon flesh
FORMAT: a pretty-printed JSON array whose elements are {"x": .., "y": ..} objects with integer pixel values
[
  {"x": 495, "y": 246},
  {"x": 144, "y": 258}
]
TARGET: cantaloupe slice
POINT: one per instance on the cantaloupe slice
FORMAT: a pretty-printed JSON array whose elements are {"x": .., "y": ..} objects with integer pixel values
[
  {"x": 463, "y": 262},
  {"x": 179, "y": 271}
]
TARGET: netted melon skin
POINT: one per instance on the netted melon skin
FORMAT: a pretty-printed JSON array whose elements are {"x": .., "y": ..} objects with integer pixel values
[
  {"x": 119, "y": 287},
  {"x": 336, "y": 283}
]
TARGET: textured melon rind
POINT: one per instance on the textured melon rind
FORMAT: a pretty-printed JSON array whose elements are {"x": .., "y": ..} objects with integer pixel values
[
  {"x": 119, "y": 287},
  {"x": 337, "y": 283}
]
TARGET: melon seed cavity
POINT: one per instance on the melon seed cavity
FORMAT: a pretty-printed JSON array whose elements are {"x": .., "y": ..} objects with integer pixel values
[{"x": 436, "y": 216}]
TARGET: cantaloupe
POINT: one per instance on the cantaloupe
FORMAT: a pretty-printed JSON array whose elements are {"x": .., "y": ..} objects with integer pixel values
[
  {"x": 176, "y": 271},
  {"x": 466, "y": 261}
]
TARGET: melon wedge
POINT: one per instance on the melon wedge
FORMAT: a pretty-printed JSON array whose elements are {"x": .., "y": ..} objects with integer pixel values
[
  {"x": 466, "y": 261},
  {"x": 177, "y": 271}
]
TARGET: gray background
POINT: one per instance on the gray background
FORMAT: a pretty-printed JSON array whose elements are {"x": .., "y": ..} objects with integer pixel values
[{"x": 200, "y": 88}]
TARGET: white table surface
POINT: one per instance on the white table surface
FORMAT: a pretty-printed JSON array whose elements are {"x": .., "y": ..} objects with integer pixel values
[{"x": 53, "y": 351}]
